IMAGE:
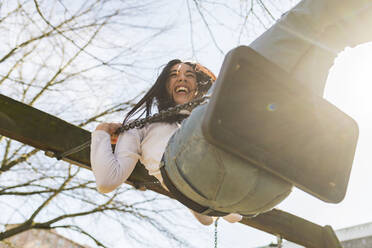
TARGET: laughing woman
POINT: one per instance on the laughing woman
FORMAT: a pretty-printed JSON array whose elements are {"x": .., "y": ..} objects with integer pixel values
[{"x": 178, "y": 83}]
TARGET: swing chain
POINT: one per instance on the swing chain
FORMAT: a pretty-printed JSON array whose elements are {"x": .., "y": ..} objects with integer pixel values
[
  {"x": 184, "y": 109},
  {"x": 279, "y": 241},
  {"x": 215, "y": 232}
]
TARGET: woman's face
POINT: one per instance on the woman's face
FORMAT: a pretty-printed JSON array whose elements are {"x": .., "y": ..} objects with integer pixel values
[{"x": 181, "y": 84}]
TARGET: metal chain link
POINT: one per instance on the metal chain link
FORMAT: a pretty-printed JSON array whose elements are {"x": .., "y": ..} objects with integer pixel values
[
  {"x": 279, "y": 240},
  {"x": 215, "y": 232},
  {"x": 185, "y": 109}
]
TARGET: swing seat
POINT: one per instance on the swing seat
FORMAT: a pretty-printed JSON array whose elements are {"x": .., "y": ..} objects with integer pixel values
[
  {"x": 261, "y": 133},
  {"x": 215, "y": 182},
  {"x": 262, "y": 115}
]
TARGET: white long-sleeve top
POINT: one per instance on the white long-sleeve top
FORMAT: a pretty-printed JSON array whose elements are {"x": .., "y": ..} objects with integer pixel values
[{"x": 147, "y": 144}]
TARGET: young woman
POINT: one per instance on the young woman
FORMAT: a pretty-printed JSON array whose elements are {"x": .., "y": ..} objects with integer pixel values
[{"x": 178, "y": 83}]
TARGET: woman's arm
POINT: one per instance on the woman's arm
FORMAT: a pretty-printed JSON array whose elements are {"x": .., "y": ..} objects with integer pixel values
[
  {"x": 112, "y": 169},
  {"x": 110, "y": 128}
]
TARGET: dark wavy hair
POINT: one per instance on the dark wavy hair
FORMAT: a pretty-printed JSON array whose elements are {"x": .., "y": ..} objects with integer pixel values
[{"x": 158, "y": 95}]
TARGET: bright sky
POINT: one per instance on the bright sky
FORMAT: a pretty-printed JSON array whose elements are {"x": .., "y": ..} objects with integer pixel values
[{"x": 349, "y": 87}]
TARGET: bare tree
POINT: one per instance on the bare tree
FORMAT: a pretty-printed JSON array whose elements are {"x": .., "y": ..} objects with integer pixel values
[
  {"x": 68, "y": 58},
  {"x": 58, "y": 55},
  {"x": 241, "y": 21}
]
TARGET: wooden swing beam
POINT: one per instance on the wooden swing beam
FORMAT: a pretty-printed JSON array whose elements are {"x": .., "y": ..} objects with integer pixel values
[{"x": 43, "y": 131}]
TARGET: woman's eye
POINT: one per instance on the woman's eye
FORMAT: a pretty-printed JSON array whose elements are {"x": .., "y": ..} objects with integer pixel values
[
  {"x": 172, "y": 75},
  {"x": 190, "y": 75}
]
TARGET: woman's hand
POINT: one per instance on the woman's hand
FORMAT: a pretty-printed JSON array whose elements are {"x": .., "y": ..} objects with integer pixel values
[{"x": 110, "y": 128}]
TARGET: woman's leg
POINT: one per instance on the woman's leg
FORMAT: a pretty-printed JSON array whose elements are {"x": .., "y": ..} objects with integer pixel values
[
  {"x": 203, "y": 219},
  {"x": 233, "y": 217}
]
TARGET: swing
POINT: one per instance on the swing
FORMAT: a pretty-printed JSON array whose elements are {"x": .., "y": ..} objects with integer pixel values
[
  {"x": 281, "y": 126},
  {"x": 261, "y": 133}
]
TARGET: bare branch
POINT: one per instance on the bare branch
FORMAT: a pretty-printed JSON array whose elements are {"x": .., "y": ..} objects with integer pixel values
[
  {"x": 113, "y": 109},
  {"x": 207, "y": 26},
  {"x": 51, "y": 197},
  {"x": 52, "y": 80},
  {"x": 191, "y": 29},
  {"x": 19, "y": 160},
  {"x": 266, "y": 9},
  {"x": 69, "y": 39},
  {"x": 77, "y": 229}
]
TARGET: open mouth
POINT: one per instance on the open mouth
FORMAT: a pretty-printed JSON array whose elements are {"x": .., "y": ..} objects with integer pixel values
[{"x": 182, "y": 89}]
